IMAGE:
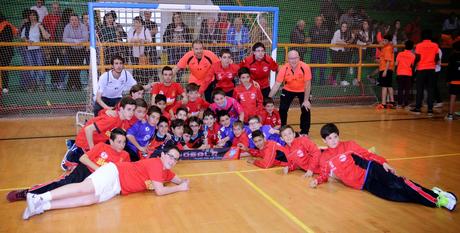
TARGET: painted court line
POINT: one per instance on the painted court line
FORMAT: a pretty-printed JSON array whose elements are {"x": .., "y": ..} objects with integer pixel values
[
  {"x": 424, "y": 157},
  {"x": 272, "y": 201}
]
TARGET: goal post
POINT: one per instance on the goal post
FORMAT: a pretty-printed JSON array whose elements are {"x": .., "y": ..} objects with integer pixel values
[{"x": 252, "y": 14}]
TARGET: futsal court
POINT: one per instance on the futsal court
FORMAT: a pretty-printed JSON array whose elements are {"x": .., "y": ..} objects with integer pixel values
[{"x": 234, "y": 196}]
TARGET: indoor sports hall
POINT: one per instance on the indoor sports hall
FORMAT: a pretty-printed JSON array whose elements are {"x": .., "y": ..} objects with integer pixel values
[{"x": 52, "y": 77}]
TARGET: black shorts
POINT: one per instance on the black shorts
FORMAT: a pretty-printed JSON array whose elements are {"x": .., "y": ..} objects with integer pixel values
[
  {"x": 386, "y": 81},
  {"x": 454, "y": 89}
]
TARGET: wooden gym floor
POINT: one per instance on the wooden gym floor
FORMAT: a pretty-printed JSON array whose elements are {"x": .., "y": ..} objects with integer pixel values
[{"x": 233, "y": 196}]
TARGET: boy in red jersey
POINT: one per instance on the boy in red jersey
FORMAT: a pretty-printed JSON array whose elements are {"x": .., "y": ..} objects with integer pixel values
[
  {"x": 223, "y": 73},
  {"x": 181, "y": 113},
  {"x": 160, "y": 101},
  {"x": 260, "y": 65},
  {"x": 211, "y": 129},
  {"x": 405, "y": 64},
  {"x": 109, "y": 181},
  {"x": 248, "y": 95},
  {"x": 269, "y": 116},
  {"x": 101, "y": 154},
  {"x": 301, "y": 152},
  {"x": 98, "y": 130},
  {"x": 241, "y": 139},
  {"x": 358, "y": 168},
  {"x": 171, "y": 90},
  {"x": 195, "y": 104},
  {"x": 272, "y": 153}
]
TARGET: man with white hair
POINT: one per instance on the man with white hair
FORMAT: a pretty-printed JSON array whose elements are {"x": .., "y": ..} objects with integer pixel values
[{"x": 296, "y": 76}]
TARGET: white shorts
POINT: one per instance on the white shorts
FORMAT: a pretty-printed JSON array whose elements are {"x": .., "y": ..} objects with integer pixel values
[{"x": 106, "y": 182}]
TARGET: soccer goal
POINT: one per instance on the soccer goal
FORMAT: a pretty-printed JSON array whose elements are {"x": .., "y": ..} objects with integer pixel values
[{"x": 171, "y": 29}]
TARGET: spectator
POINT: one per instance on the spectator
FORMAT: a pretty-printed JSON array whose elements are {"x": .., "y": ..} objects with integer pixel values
[
  {"x": 223, "y": 25},
  {"x": 75, "y": 32},
  {"x": 296, "y": 77},
  {"x": 41, "y": 10},
  {"x": 50, "y": 22},
  {"x": 211, "y": 34},
  {"x": 319, "y": 34},
  {"x": 298, "y": 37},
  {"x": 340, "y": 54},
  {"x": 110, "y": 33},
  {"x": 26, "y": 80},
  {"x": 57, "y": 80},
  {"x": 238, "y": 36},
  {"x": 139, "y": 34},
  {"x": 413, "y": 30},
  {"x": 112, "y": 84},
  {"x": 262, "y": 33},
  {"x": 33, "y": 31},
  {"x": 7, "y": 33},
  {"x": 331, "y": 13},
  {"x": 398, "y": 35},
  {"x": 151, "y": 51},
  {"x": 176, "y": 32},
  {"x": 361, "y": 15},
  {"x": 450, "y": 24},
  {"x": 348, "y": 18},
  {"x": 365, "y": 38}
]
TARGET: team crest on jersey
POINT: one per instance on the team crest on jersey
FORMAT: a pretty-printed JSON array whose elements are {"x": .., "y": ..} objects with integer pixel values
[
  {"x": 253, "y": 95},
  {"x": 300, "y": 153},
  {"x": 265, "y": 68},
  {"x": 342, "y": 158},
  {"x": 104, "y": 155},
  {"x": 147, "y": 129}
]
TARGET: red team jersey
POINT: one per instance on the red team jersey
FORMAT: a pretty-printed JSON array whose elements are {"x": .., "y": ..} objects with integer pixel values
[
  {"x": 193, "y": 107},
  {"x": 272, "y": 120},
  {"x": 223, "y": 76},
  {"x": 104, "y": 125},
  {"x": 338, "y": 162},
  {"x": 103, "y": 153},
  {"x": 304, "y": 154},
  {"x": 171, "y": 92},
  {"x": 268, "y": 154},
  {"x": 139, "y": 176},
  {"x": 243, "y": 139},
  {"x": 250, "y": 99},
  {"x": 212, "y": 134},
  {"x": 260, "y": 70}
]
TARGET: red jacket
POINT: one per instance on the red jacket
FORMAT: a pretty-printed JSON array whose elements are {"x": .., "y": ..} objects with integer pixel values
[
  {"x": 250, "y": 99},
  {"x": 272, "y": 120},
  {"x": 304, "y": 154},
  {"x": 260, "y": 70},
  {"x": 268, "y": 155},
  {"x": 340, "y": 163},
  {"x": 243, "y": 139}
]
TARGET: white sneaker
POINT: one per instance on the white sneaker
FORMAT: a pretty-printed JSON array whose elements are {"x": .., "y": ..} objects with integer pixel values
[
  {"x": 34, "y": 206},
  {"x": 344, "y": 83},
  {"x": 447, "y": 200},
  {"x": 438, "y": 105},
  {"x": 5, "y": 90}
]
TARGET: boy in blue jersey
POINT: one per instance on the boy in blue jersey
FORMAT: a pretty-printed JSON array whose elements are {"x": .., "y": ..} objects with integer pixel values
[
  {"x": 140, "y": 134},
  {"x": 270, "y": 133},
  {"x": 225, "y": 134}
]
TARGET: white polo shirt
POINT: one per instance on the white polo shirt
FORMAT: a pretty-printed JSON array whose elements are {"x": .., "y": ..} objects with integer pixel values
[{"x": 111, "y": 87}]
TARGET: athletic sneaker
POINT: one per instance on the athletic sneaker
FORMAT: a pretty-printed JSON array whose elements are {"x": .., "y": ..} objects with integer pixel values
[
  {"x": 34, "y": 206},
  {"x": 447, "y": 200},
  {"x": 415, "y": 111},
  {"x": 430, "y": 113},
  {"x": 449, "y": 117},
  {"x": 438, "y": 105},
  {"x": 17, "y": 195}
]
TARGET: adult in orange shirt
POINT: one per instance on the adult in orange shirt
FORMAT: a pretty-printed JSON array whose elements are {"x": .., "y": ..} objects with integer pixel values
[
  {"x": 386, "y": 67},
  {"x": 296, "y": 76},
  {"x": 109, "y": 181},
  {"x": 426, "y": 57},
  {"x": 199, "y": 61},
  {"x": 405, "y": 64}
]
